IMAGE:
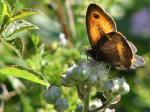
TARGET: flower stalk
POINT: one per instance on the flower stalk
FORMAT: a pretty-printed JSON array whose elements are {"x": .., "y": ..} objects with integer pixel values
[{"x": 86, "y": 100}]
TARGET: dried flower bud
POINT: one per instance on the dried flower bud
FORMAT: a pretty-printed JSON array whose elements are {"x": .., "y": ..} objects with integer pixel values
[
  {"x": 52, "y": 94},
  {"x": 61, "y": 105}
]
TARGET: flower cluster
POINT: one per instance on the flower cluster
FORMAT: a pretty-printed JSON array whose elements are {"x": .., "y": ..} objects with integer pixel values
[
  {"x": 95, "y": 74},
  {"x": 91, "y": 73}
]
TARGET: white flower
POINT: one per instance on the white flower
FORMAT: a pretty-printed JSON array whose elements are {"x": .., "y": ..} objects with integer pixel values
[
  {"x": 62, "y": 38},
  {"x": 116, "y": 87}
]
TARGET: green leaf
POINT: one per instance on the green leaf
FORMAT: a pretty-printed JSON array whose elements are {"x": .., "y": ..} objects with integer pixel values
[
  {"x": 23, "y": 13},
  {"x": 1, "y": 11},
  {"x": 16, "y": 44},
  {"x": 6, "y": 9},
  {"x": 15, "y": 27},
  {"x": 5, "y": 12},
  {"x": 24, "y": 73}
]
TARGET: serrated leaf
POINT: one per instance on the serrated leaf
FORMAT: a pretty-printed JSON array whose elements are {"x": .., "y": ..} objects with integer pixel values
[
  {"x": 16, "y": 44},
  {"x": 22, "y": 73},
  {"x": 23, "y": 13},
  {"x": 15, "y": 27},
  {"x": 5, "y": 10}
]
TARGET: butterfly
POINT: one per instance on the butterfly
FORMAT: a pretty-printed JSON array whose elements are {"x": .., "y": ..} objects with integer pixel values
[{"x": 107, "y": 44}]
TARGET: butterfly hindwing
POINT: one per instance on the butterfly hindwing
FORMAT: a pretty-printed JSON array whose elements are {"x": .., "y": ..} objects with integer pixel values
[
  {"x": 137, "y": 61},
  {"x": 115, "y": 50},
  {"x": 98, "y": 23},
  {"x": 134, "y": 49}
]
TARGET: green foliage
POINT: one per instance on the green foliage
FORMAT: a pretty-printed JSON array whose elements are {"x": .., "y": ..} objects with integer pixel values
[
  {"x": 5, "y": 10},
  {"x": 24, "y": 13},
  {"x": 15, "y": 27},
  {"x": 24, "y": 73},
  {"x": 26, "y": 103},
  {"x": 16, "y": 44},
  {"x": 12, "y": 24}
]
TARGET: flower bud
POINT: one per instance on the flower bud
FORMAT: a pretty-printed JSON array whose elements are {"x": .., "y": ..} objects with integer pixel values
[
  {"x": 124, "y": 87},
  {"x": 67, "y": 78},
  {"x": 61, "y": 105},
  {"x": 111, "y": 86},
  {"x": 79, "y": 108},
  {"x": 80, "y": 74},
  {"x": 116, "y": 87},
  {"x": 52, "y": 94},
  {"x": 92, "y": 80}
]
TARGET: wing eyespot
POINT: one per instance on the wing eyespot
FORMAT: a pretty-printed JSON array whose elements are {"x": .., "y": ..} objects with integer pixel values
[{"x": 96, "y": 16}]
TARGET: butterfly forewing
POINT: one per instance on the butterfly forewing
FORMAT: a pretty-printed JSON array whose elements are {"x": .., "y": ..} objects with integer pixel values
[{"x": 98, "y": 23}]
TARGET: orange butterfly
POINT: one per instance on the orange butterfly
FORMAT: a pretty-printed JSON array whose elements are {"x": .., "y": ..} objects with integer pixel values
[{"x": 107, "y": 43}]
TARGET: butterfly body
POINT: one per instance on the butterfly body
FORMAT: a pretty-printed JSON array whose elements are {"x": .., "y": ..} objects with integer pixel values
[{"x": 107, "y": 44}]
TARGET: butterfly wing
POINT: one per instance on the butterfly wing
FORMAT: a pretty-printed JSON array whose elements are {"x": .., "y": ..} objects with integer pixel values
[
  {"x": 114, "y": 49},
  {"x": 98, "y": 23},
  {"x": 137, "y": 61},
  {"x": 134, "y": 49}
]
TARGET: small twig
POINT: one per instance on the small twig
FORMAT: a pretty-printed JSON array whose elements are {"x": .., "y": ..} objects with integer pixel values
[
  {"x": 60, "y": 11},
  {"x": 6, "y": 95},
  {"x": 2, "y": 106},
  {"x": 70, "y": 16}
]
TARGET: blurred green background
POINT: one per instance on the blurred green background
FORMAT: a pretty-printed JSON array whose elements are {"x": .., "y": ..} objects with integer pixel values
[{"x": 46, "y": 51}]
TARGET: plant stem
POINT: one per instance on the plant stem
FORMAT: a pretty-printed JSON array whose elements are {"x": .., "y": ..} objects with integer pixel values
[
  {"x": 60, "y": 11},
  {"x": 86, "y": 100}
]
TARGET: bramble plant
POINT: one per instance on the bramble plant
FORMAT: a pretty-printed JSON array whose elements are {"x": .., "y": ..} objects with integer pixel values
[
  {"x": 13, "y": 23},
  {"x": 86, "y": 77}
]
